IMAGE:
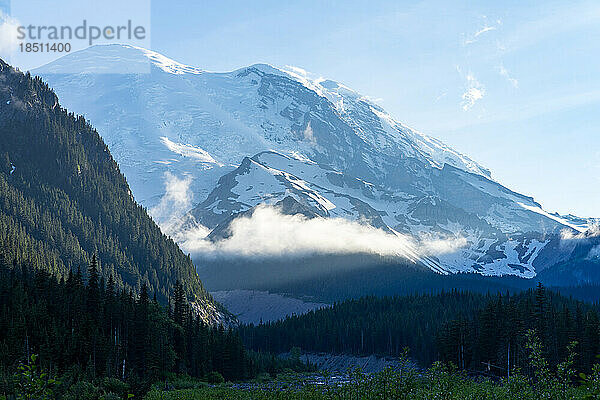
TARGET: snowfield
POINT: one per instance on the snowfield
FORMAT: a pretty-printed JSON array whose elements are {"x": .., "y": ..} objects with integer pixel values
[
  {"x": 201, "y": 148},
  {"x": 254, "y": 307}
]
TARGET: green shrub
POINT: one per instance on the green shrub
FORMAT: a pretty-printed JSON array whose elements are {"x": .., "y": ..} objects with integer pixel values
[
  {"x": 31, "y": 382},
  {"x": 263, "y": 377},
  {"x": 183, "y": 382},
  {"x": 83, "y": 391},
  {"x": 111, "y": 396},
  {"x": 215, "y": 377},
  {"x": 115, "y": 386}
]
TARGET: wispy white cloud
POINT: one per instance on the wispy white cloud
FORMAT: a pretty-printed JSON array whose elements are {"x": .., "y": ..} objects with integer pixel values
[
  {"x": 298, "y": 70},
  {"x": 176, "y": 201},
  {"x": 8, "y": 34},
  {"x": 471, "y": 96},
  {"x": 504, "y": 72},
  {"x": 570, "y": 239},
  {"x": 484, "y": 29},
  {"x": 522, "y": 108},
  {"x": 369, "y": 99},
  {"x": 441, "y": 96},
  {"x": 591, "y": 232},
  {"x": 309, "y": 135},
  {"x": 473, "y": 92}
]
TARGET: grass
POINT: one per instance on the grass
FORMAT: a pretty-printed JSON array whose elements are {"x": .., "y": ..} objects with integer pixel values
[{"x": 439, "y": 382}]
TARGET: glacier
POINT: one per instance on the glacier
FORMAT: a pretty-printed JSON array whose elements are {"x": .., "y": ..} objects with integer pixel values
[{"x": 260, "y": 135}]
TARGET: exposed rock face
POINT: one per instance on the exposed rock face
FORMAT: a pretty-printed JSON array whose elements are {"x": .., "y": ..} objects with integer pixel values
[{"x": 262, "y": 135}]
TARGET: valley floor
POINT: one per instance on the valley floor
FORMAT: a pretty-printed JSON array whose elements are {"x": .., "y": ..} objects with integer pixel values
[
  {"x": 436, "y": 383},
  {"x": 341, "y": 363}
]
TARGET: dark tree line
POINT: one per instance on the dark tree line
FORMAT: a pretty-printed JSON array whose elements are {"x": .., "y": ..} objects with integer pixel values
[
  {"x": 462, "y": 327},
  {"x": 86, "y": 323},
  {"x": 497, "y": 333},
  {"x": 369, "y": 325}
]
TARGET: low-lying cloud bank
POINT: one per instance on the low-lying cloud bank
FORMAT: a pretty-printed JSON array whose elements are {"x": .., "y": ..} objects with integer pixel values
[
  {"x": 570, "y": 238},
  {"x": 269, "y": 233}
]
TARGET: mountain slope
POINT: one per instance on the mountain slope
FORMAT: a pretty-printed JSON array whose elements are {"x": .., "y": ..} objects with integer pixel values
[
  {"x": 224, "y": 143},
  {"x": 178, "y": 118},
  {"x": 63, "y": 199},
  {"x": 272, "y": 177}
]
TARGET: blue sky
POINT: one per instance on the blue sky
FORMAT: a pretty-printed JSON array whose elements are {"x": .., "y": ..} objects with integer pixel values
[{"x": 513, "y": 84}]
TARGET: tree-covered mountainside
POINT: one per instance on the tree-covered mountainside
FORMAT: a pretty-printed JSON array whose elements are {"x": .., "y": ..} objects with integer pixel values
[
  {"x": 89, "y": 329},
  {"x": 63, "y": 199},
  {"x": 463, "y": 327}
]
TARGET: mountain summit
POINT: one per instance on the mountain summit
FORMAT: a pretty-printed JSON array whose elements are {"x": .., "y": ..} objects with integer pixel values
[
  {"x": 213, "y": 146},
  {"x": 177, "y": 118}
]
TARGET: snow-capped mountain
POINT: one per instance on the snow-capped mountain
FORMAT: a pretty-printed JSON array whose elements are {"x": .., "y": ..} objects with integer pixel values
[{"x": 261, "y": 134}]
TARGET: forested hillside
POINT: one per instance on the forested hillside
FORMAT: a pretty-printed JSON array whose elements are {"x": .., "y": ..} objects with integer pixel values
[
  {"x": 63, "y": 198},
  {"x": 465, "y": 328},
  {"x": 88, "y": 328}
]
